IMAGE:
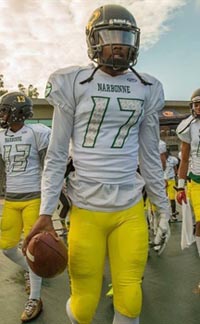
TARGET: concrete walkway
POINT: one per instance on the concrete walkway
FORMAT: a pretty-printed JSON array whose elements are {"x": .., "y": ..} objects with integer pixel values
[{"x": 168, "y": 289}]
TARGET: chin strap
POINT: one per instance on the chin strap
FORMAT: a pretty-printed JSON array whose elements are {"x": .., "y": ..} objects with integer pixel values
[
  {"x": 4, "y": 125},
  {"x": 91, "y": 77},
  {"x": 139, "y": 76}
]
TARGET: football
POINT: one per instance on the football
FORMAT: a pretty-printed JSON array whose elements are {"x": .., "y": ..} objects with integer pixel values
[{"x": 47, "y": 255}]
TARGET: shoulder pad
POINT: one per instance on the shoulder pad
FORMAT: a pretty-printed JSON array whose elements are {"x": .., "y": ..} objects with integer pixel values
[
  {"x": 41, "y": 128},
  {"x": 58, "y": 79},
  {"x": 184, "y": 125},
  {"x": 149, "y": 78},
  {"x": 72, "y": 69}
]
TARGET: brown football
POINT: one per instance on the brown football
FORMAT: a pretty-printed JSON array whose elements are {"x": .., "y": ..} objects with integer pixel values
[{"x": 46, "y": 255}]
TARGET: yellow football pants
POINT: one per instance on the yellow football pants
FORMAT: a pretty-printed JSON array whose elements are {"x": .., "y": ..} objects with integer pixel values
[
  {"x": 17, "y": 217},
  {"x": 124, "y": 236},
  {"x": 171, "y": 192},
  {"x": 194, "y": 191},
  {"x": 188, "y": 189}
]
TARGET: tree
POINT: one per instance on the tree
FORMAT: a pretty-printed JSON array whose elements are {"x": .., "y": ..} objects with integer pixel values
[
  {"x": 2, "y": 90},
  {"x": 22, "y": 88},
  {"x": 31, "y": 91}
]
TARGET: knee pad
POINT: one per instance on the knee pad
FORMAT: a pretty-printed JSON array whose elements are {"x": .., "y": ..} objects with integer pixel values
[
  {"x": 128, "y": 300},
  {"x": 69, "y": 313},
  {"x": 119, "y": 318},
  {"x": 81, "y": 310}
]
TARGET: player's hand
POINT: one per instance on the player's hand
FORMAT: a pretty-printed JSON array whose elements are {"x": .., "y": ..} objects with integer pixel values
[
  {"x": 181, "y": 196},
  {"x": 44, "y": 223},
  {"x": 162, "y": 234}
]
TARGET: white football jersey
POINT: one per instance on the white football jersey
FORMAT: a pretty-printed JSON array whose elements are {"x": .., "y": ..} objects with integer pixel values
[
  {"x": 189, "y": 131},
  {"x": 189, "y": 166},
  {"x": 19, "y": 150},
  {"x": 171, "y": 163},
  {"x": 112, "y": 123},
  {"x": 162, "y": 147}
]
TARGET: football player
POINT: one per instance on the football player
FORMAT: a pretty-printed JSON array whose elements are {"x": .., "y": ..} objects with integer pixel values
[
  {"x": 22, "y": 151},
  {"x": 163, "y": 150},
  {"x": 170, "y": 174},
  {"x": 188, "y": 131},
  {"x": 110, "y": 114}
]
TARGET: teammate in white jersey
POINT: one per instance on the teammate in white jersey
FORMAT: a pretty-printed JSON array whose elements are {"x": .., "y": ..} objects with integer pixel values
[
  {"x": 170, "y": 174},
  {"x": 110, "y": 113},
  {"x": 188, "y": 131},
  {"x": 163, "y": 151},
  {"x": 22, "y": 151}
]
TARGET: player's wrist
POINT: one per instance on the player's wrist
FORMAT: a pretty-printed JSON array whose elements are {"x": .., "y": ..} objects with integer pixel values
[{"x": 181, "y": 184}]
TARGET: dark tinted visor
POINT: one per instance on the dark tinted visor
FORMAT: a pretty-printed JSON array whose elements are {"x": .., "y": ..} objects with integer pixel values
[{"x": 107, "y": 36}]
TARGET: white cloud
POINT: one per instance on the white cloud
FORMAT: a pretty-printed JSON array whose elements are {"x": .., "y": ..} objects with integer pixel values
[{"x": 37, "y": 37}]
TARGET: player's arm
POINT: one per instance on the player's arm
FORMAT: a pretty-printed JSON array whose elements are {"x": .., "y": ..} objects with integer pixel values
[
  {"x": 42, "y": 154},
  {"x": 163, "y": 160},
  {"x": 55, "y": 159},
  {"x": 58, "y": 149},
  {"x": 152, "y": 172},
  {"x": 150, "y": 162},
  {"x": 175, "y": 170},
  {"x": 2, "y": 173},
  {"x": 184, "y": 164},
  {"x": 151, "y": 166},
  {"x": 182, "y": 173}
]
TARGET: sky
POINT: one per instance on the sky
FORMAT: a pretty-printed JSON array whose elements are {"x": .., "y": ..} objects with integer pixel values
[{"x": 38, "y": 37}]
